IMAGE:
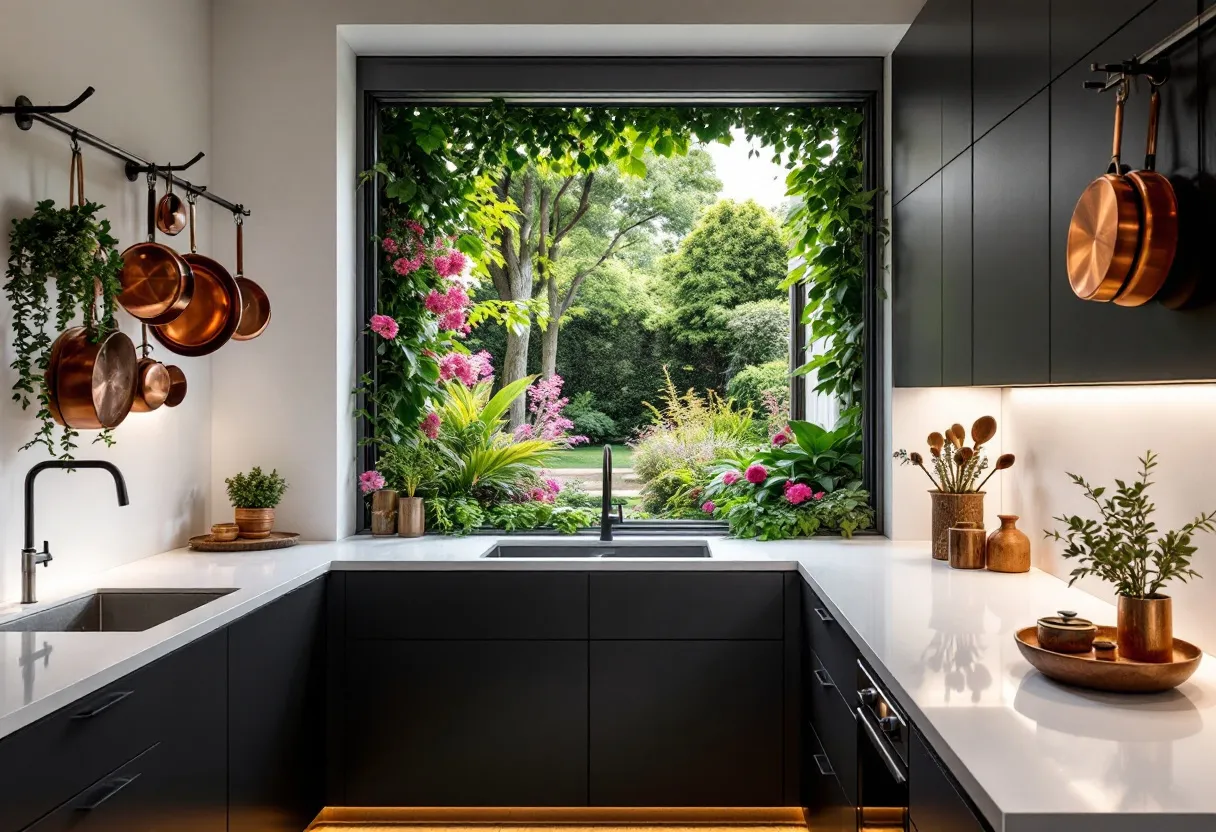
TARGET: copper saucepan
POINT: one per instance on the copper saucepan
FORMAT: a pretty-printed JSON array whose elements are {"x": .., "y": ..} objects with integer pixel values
[
  {"x": 214, "y": 311},
  {"x": 157, "y": 283},
  {"x": 1104, "y": 234},
  {"x": 170, "y": 212},
  {"x": 255, "y": 305},
  {"x": 177, "y": 386},
  {"x": 1159, "y": 223},
  {"x": 152, "y": 386}
]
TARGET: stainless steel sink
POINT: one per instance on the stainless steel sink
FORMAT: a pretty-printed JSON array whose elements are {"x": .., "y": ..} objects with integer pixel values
[
  {"x": 115, "y": 611},
  {"x": 599, "y": 550}
]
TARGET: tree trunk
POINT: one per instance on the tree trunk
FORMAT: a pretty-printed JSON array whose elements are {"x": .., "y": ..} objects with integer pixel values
[
  {"x": 548, "y": 352},
  {"x": 515, "y": 366}
]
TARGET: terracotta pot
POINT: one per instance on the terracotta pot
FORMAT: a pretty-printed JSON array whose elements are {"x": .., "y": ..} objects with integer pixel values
[
  {"x": 1146, "y": 628},
  {"x": 948, "y": 511},
  {"x": 255, "y": 523},
  {"x": 411, "y": 517},
  {"x": 1008, "y": 547},
  {"x": 966, "y": 546},
  {"x": 384, "y": 512}
]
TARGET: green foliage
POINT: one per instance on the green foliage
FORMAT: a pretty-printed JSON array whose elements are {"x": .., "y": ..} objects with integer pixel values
[
  {"x": 828, "y": 460},
  {"x": 409, "y": 466},
  {"x": 1120, "y": 549},
  {"x": 596, "y": 425},
  {"x": 74, "y": 247},
  {"x": 750, "y": 384},
  {"x": 514, "y": 517},
  {"x": 759, "y": 333},
  {"x": 256, "y": 489},
  {"x": 454, "y": 515},
  {"x": 844, "y": 512},
  {"x": 569, "y": 520},
  {"x": 574, "y": 494}
]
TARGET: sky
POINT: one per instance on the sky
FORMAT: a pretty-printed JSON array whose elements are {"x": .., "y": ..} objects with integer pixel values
[{"x": 743, "y": 178}]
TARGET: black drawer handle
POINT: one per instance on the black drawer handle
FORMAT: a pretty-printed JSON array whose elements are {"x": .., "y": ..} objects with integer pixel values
[
  {"x": 107, "y": 790},
  {"x": 824, "y": 679},
  {"x": 823, "y": 614},
  {"x": 823, "y": 764},
  {"x": 103, "y": 704}
]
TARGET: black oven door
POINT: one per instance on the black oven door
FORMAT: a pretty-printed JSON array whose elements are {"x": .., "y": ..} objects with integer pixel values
[{"x": 882, "y": 767}]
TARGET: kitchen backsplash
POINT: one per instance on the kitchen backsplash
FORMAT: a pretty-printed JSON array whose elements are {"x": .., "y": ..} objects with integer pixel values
[{"x": 1097, "y": 432}]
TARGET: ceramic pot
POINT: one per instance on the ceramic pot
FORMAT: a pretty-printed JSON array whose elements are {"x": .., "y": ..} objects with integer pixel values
[
  {"x": 1008, "y": 547},
  {"x": 384, "y": 512},
  {"x": 411, "y": 517},
  {"x": 966, "y": 546},
  {"x": 948, "y": 511},
  {"x": 255, "y": 523},
  {"x": 1146, "y": 628}
]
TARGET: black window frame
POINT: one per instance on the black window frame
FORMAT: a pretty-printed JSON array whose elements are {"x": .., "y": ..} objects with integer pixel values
[{"x": 394, "y": 81}]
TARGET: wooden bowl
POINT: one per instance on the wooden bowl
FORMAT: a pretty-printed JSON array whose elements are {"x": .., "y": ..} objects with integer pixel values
[
  {"x": 1120, "y": 675},
  {"x": 224, "y": 532}
]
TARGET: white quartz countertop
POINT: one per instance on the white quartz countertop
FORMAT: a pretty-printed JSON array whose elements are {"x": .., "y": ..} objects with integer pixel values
[{"x": 1032, "y": 754}]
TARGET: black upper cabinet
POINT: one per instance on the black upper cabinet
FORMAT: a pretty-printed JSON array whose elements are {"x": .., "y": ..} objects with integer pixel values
[
  {"x": 951, "y": 22},
  {"x": 1011, "y": 268},
  {"x": 1011, "y": 60},
  {"x": 916, "y": 283},
  {"x": 1103, "y": 341},
  {"x": 276, "y": 713},
  {"x": 956, "y": 272},
  {"x": 1077, "y": 26},
  {"x": 916, "y": 110}
]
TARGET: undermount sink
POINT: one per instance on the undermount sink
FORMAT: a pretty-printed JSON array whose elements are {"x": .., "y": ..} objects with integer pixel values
[
  {"x": 599, "y": 550},
  {"x": 115, "y": 611}
]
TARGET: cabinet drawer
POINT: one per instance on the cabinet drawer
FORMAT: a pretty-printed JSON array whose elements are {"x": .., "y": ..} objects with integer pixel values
[
  {"x": 687, "y": 605},
  {"x": 833, "y": 722},
  {"x": 829, "y": 641},
  {"x": 827, "y": 806},
  {"x": 466, "y": 605},
  {"x": 126, "y": 799},
  {"x": 933, "y": 801}
]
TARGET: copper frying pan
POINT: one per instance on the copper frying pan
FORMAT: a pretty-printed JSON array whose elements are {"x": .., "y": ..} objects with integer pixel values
[
  {"x": 255, "y": 305},
  {"x": 177, "y": 386},
  {"x": 1104, "y": 234},
  {"x": 170, "y": 212},
  {"x": 1159, "y": 224},
  {"x": 157, "y": 283}
]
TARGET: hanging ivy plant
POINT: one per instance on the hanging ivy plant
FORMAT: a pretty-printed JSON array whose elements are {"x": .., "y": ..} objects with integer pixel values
[{"x": 74, "y": 248}]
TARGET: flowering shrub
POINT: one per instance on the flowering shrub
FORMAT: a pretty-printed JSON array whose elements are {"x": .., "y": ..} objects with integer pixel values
[
  {"x": 545, "y": 404},
  {"x": 384, "y": 326},
  {"x": 370, "y": 481},
  {"x": 467, "y": 369},
  {"x": 756, "y": 473}
]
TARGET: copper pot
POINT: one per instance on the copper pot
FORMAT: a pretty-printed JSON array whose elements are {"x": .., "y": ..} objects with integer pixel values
[
  {"x": 213, "y": 312},
  {"x": 157, "y": 283},
  {"x": 1065, "y": 633},
  {"x": 1146, "y": 628},
  {"x": 152, "y": 381},
  {"x": 255, "y": 523},
  {"x": 94, "y": 382},
  {"x": 255, "y": 305},
  {"x": 177, "y": 385},
  {"x": 225, "y": 532},
  {"x": 170, "y": 212}
]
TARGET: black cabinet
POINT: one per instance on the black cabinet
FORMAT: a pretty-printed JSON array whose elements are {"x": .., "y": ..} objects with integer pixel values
[
  {"x": 276, "y": 713},
  {"x": 1077, "y": 26},
  {"x": 957, "y": 310},
  {"x": 686, "y": 723},
  {"x": 831, "y": 717},
  {"x": 1011, "y": 59},
  {"x": 687, "y": 605},
  {"x": 828, "y": 808},
  {"x": 1011, "y": 268},
  {"x": 950, "y": 22},
  {"x": 916, "y": 110},
  {"x": 933, "y": 801},
  {"x": 466, "y": 723},
  {"x": 916, "y": 284}
]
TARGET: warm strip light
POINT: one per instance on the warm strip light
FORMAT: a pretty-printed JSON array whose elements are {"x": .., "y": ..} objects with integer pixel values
[{"x": 561, "y": 815}]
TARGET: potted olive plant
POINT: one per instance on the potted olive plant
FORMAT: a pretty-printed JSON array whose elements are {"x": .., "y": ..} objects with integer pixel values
[
  {"x": 958, "y": 490},
  {"x": 1119, "y": 549},
  {"x": 409, "y": 466},
  {"x": 254, "y": 497}
]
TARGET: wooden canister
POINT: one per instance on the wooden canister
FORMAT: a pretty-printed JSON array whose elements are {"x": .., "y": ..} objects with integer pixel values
[
  {"x": 384, "y": 512},
  {"x": 1008, "y": 547},
  {"x": 967, "y": 545}
]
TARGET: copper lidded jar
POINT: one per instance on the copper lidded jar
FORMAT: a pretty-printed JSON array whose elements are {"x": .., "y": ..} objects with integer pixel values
[
  {"x": 949, "y": 510},
  {"x": 1146, "y": 628},
  {"x": 1065, "y": 633},
  {"x": 967, "y": 544}
]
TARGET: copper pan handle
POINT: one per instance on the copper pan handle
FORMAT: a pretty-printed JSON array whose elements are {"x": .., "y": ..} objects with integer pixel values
[
  {"x": 1150, "y": 145},
  {"x": 152, "y": 206},
  {"x": 240, "y": 244},
  {"x": 1117, "y": 142},
  {"x": 190, "y": 199}
]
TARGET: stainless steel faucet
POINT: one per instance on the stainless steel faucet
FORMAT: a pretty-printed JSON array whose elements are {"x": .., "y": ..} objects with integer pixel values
[{"x": 31, "y": 558}]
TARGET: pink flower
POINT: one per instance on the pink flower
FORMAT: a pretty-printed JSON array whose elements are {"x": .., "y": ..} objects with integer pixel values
[
  {"x": 730, "y": 477},
  {"x": 407, "y": 265},
  {"x": 540, "y": 495},
  {"x": 430, "y": 425},
  {"x": 708, "y": 507},
  {"x": 818, "y": 495},
  {"x": 370, "y": 481},
  {"x": 457, "y": 262},
  {"x": 457, "y": 365},
  {"x": 436, "y": 303},
  {"x": 457, "y": 297},
  {"x": 797, "y": 493},
  {"x": 390, "y": 245},
  {"x": 483, "y": 362},
  {"x": 415, "y": 227},
  {"x": 552, "y": 485},
  {"x": 455, "y": 321},
  {"x": 780, "y": 439},
  {"x": 756, "y": 473},
  {"x": 384, "y": 326}
]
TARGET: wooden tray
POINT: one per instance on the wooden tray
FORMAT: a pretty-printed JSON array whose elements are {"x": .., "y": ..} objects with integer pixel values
[
  {"x": 277, "y": 540},
  {"x": 1121, "y": 675}
]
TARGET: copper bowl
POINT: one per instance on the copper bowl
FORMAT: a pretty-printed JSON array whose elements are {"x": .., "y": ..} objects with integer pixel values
[
  {"x": 151, "y": 386},
  {"x": 212, "y": 315},
  {"x": 225, "y": 532}
]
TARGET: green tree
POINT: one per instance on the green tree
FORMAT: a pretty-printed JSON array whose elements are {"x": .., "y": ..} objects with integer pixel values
[
  {"x": 734, "y": 255},
  {"x": 759, "y": 333}
]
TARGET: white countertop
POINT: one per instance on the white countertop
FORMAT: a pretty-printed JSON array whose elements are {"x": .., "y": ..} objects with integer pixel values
[{"x": 1032, "y": 754}]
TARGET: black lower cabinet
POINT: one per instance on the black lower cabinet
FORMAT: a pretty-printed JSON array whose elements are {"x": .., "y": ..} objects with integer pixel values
[
  {"x": 828, "y": 808},
  {"x": 276, "y": 714},
  {"x": 466, "y": 723},
  {"x": 686, "y": 723},
  {"x": 933, "y": 801}
]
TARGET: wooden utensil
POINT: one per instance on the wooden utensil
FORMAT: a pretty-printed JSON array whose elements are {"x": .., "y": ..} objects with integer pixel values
[
  {"x": 1104, "y": 234},
  {"x": 255, "y": 305},
  {"x": 1158, "y": 223},
  {"x": 157, "y": 283}
]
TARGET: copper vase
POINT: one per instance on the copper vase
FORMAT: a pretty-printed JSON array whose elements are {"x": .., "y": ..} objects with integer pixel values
[
  {"x": 255, "y": 523},
  {"x": 384, "y": 512},
  {"x": 411, "y": 517},
  {"x": 1008, "y": 547},
  {"x": 948, "y": 511},
  {"x": 1146, "y": 628}
]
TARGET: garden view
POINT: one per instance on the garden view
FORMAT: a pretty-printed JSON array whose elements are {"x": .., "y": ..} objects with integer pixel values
[{"x": 554, "y": 279}]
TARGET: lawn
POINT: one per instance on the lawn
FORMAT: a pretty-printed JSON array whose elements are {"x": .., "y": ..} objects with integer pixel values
[{"x": 592, "y": 456}]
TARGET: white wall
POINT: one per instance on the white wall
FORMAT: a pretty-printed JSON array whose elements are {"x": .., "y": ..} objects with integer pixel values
[{"x": 149, "y": 60}]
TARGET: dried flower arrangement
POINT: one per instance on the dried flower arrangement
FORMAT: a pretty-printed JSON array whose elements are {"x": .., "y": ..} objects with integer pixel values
[{"x": 959, "y": 466}]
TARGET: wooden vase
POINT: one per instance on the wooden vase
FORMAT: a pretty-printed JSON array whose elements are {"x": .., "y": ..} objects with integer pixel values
[
  {"x": 255, "y": 523},
  {"x": 948, "y": 511},
  {"x": 1146, "y": 628},
  {"x": 411, "y": 517},
  {"x": 966, "y": 545},
  {"x": 384, "y": 512},
  {"x": 1008, "y": 547}
]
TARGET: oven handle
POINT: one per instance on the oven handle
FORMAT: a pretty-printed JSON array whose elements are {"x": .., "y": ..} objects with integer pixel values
[{"x": 881, "y": 747}]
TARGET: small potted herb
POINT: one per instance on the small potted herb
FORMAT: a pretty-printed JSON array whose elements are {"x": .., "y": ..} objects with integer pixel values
[
  {"x": 254, "y": 497},
  {"x": 408, "y": 467},
  {"x": 1120, "y": 550}
]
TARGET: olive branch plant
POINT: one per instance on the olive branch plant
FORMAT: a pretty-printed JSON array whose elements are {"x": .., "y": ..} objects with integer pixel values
[{"x": 1121, "y": 548}]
